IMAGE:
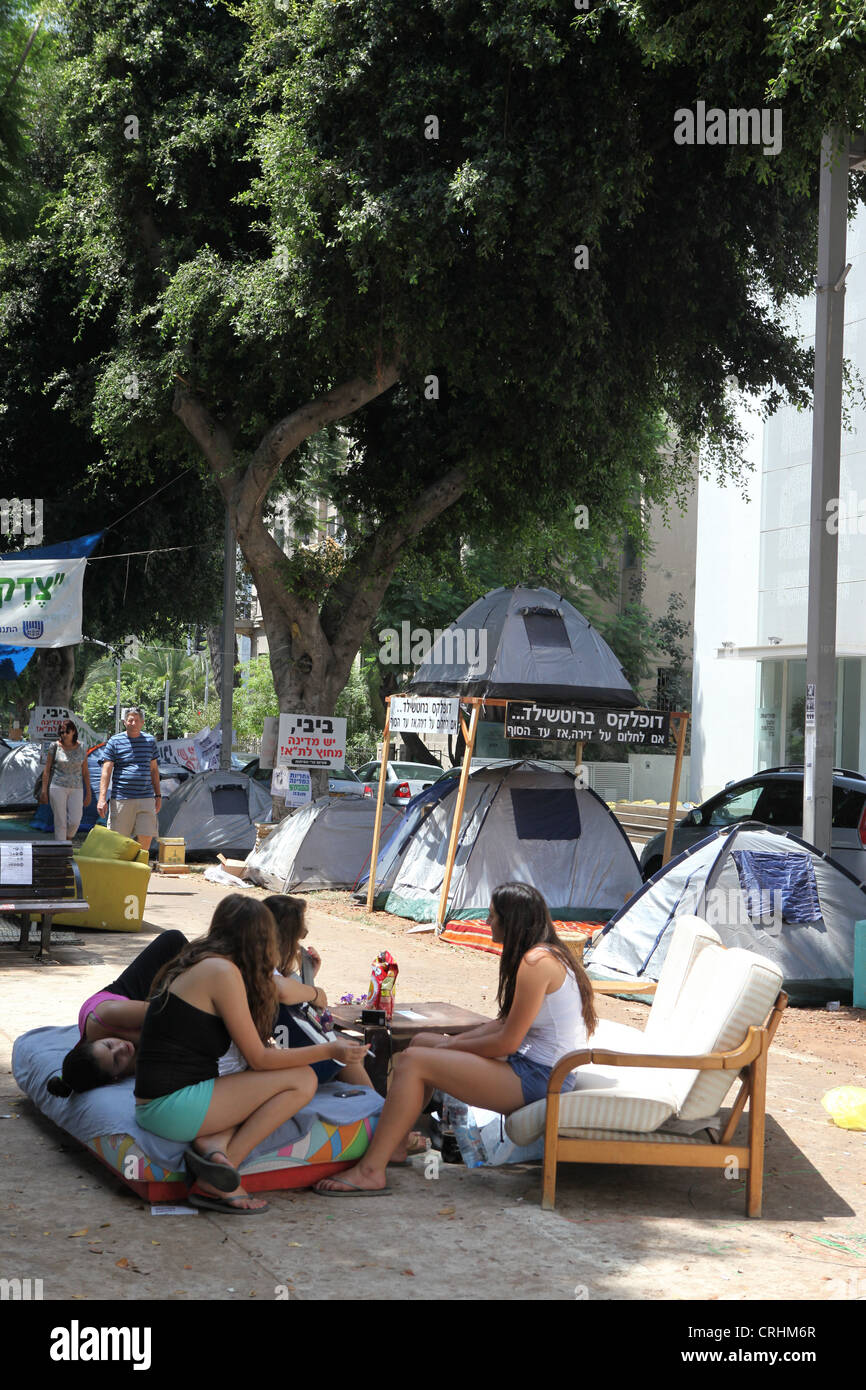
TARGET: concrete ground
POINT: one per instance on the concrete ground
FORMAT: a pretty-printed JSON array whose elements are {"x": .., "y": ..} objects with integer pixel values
[{"x": 617, "y": 1233}]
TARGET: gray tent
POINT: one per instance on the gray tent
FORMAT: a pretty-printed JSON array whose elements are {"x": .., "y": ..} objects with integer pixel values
[
  {"x": 324, "y": 845},
  {"x": 18, "y": 772},
  {"x": 524, "y": 644},
  {"x": 216, "y": 811},
  {"x": 527, "y": 821},
  {"x": 761, "y": 889}
]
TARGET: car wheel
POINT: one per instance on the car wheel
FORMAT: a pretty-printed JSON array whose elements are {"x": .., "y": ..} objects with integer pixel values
[{"x": 652, "y": 867}]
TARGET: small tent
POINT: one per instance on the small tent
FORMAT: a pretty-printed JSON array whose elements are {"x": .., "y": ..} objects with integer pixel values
[
  {"x": 216, "y": 810},
  {"x": 18, "y": 772},
  {"x": 326, "y": 844},
  {"x": 526, "y": 821},
  {"x": 761, "y": 889},
  {"x": 524, "y": 644}
]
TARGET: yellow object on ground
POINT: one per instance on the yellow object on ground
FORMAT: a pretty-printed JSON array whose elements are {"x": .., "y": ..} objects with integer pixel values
[
  {"x": 846, "y": 1106},
  {"x": 115, "y": 873}
]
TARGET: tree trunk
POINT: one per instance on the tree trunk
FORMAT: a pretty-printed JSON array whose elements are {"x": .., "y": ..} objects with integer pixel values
[
  {"x": 56, "y": 675},
  {"x": 416, "y": 751}
]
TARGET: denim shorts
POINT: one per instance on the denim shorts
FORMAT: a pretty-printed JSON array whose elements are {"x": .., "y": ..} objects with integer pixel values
[
  {"x": 534, "y": 1077},
  {"x": 179, "y": 1115}
]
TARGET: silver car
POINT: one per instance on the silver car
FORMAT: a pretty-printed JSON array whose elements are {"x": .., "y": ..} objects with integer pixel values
[
  {"x": 774, "y": 797},
  {"x": 404, "y": 780}
]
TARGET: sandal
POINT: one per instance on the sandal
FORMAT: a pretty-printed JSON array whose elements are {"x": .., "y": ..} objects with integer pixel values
[
  {"x": 353, "y": 1191},
  {"x": 418, "y": 1144},
  {"x": 219, "y": 1175},
  {"x": 227, "y": 1205}
]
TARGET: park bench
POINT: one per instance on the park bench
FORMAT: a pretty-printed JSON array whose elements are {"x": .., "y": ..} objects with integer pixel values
[{"x": 54, "y": 886}]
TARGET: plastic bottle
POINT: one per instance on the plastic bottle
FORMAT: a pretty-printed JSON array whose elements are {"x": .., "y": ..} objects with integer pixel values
[{"x": 469, "y": 1143}]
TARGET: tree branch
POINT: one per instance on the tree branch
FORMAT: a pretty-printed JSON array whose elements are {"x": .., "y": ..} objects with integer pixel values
[
  {"x": 210, "y": 437},
  {"x": 294, "y": 428},
  {"x": 354, "y": 599}
]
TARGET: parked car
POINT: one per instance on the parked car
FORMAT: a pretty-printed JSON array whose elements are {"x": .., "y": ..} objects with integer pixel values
[
  {"x": 774, "y": 797},
  {"x": 341, "y": 780},
  {"x": 404, "y": 780}
]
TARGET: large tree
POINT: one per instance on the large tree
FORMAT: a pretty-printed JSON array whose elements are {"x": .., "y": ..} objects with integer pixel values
[{"x": 463, "y": 223}]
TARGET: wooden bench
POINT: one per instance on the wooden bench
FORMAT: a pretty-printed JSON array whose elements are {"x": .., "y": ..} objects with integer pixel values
[{"x": 55, "y": 886}]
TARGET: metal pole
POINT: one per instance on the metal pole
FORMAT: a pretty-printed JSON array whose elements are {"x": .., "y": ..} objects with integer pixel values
[
  {"x": 228, "y": 645},
  {"x": 826, "y": 448},
  {"x": 117, "y": 702},
  {"x": 165, "y": 710}
]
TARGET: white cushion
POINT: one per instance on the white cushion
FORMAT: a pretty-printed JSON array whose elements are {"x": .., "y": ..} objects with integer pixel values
[
  {"x": 614, "y": 1098},
  {"x": 690, "y": 936}
]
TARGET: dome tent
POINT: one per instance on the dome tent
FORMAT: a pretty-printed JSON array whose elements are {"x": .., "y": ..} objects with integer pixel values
[
  {"x": 762, "y": 889},
  {"x": 528, "y": 821},
  {"x": 214, "y": 811},
  {"x": 524, "y": 644},
  {"x": 326, "y": 844},
  {"x": 18, "y": 772}
]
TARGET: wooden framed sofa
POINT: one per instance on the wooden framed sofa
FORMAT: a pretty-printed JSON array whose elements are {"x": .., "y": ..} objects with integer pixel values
[{"x": 653, "y": 1097}]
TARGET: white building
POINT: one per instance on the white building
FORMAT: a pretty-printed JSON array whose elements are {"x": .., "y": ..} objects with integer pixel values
[{"x": 752, "y": 585}]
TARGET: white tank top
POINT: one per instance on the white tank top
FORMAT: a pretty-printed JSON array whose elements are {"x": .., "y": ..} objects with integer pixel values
[{"x": 558, "y": 1026}]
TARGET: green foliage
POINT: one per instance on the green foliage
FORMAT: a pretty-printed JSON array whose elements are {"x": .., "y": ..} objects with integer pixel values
[
  {"x": 253, "y": 700},
  {"x": 363, "y": 728}
]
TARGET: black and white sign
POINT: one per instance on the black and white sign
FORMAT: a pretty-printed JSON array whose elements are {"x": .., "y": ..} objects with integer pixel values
[
  {"x": 810, "y": 705},
  {"x": 424, "y": 715},
  {"x": 638, "y": 726},
  {"x": 311, "y": 740}
]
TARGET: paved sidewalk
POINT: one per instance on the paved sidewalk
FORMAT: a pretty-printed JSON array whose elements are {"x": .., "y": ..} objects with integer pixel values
[{"x": 617, "y": 1233}]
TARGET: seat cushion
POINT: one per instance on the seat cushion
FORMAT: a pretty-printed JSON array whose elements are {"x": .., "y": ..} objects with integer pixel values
[
  {"x": 690, "y": 936},
  {"x": 102, "y": 843},
  {"x": 609, "y": 1098}
]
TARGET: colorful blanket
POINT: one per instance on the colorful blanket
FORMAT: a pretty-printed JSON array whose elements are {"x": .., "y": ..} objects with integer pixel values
[{"x": 476, "y": 934}]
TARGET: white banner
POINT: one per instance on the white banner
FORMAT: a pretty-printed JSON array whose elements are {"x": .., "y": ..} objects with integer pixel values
[
  {"x": 45, "y": 723},
  {"x": 424, "y": 715},
  {"x": 181, "y": 751},
  {"x": 294, "y": 785},
  {"x": 40, "y": 602},
  {"x": 311, "y": 740}
]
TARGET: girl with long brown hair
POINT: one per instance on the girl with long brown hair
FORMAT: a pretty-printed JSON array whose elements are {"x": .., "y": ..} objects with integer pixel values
[
  {"x": 546, "y": 1009},
  {"x": 221, "y": 989}
]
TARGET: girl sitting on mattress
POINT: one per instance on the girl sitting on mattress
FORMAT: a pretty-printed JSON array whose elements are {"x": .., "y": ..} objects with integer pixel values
[
  {"x": 110, "y": 1022},
  {"x": 219, "y": 990},
  {"x": 546, "y": 1010}
]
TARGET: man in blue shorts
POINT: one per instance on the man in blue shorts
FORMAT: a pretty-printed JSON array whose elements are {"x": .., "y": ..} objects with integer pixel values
[{"x": 132, "y": 770}]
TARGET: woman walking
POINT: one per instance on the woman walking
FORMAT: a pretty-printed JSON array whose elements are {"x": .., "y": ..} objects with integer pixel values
[{"x": 68, "y": 789}]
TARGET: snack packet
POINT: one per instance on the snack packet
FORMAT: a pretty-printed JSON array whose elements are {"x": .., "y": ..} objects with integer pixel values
[{"x": 383, "y": 980}]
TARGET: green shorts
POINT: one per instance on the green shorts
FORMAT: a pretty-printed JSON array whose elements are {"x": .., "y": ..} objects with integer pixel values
[{"x": 179, "y": 1115}]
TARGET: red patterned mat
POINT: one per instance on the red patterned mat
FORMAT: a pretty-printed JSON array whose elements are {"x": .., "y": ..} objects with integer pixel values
[{"x": 475, "y": 934}]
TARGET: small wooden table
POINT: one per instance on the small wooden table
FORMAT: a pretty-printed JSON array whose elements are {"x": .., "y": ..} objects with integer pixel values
[{"x": 435, "y": 1017}]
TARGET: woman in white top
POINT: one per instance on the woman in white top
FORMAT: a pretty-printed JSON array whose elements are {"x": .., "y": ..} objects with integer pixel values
[
  {"x": 546, "y": 1009},
  {"x": 69, "y": 789}
]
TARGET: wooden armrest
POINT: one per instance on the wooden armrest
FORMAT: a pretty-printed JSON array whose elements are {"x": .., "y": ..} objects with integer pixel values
[
  {"x": 624, "y": 986},
  {"x": 710, "y": 1061}
]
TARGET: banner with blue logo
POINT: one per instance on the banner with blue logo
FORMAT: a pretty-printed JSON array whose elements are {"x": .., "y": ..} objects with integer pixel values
[{"x": 41, "y": 601}]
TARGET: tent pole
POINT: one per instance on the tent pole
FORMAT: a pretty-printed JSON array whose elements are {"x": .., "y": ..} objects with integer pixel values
[
  {"x": 578, "y": 756},
  {"x": 380, "y": 801},
  {"x": 682, "y": 724},
  {"x": 458, "y": 814}
]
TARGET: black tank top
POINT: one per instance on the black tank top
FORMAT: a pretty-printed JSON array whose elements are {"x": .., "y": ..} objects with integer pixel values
[{"x": 180, "y": 1046}]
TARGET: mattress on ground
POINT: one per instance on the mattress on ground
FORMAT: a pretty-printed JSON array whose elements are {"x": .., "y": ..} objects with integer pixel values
[
  {"x": 476, "y": 934},
  {"x": 331, "y": 1130}
]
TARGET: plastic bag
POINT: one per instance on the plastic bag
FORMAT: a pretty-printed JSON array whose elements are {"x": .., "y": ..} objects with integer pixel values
[{"x": 846, "y": 1106}]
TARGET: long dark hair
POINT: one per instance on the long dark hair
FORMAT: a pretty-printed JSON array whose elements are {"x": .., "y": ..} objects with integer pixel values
[
  {"x": 288, "y": 913},
  {"x": 525, "y": 922},
  {"x": 80, "y": 1072},
  {"x": 243, "y": 930}
]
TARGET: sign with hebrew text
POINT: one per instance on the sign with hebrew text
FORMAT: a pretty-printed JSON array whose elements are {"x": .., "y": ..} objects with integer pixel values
[
  {"x": 569, "y": 724},
  {"x": 311, "y": 740},
  {"x": 40, "y": 602}
]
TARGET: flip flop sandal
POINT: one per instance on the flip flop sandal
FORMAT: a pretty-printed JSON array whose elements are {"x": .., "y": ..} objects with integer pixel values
[
  {"x": 353, "y": 1192},
  {"x": 219, "y": 1175},
  {"x": 225, "y": 1204}
]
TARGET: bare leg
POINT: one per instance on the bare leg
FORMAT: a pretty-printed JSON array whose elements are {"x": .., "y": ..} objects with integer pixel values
[
  {"x": 476, "y": 1080},
  {"x": 244, "y": 1110}
]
